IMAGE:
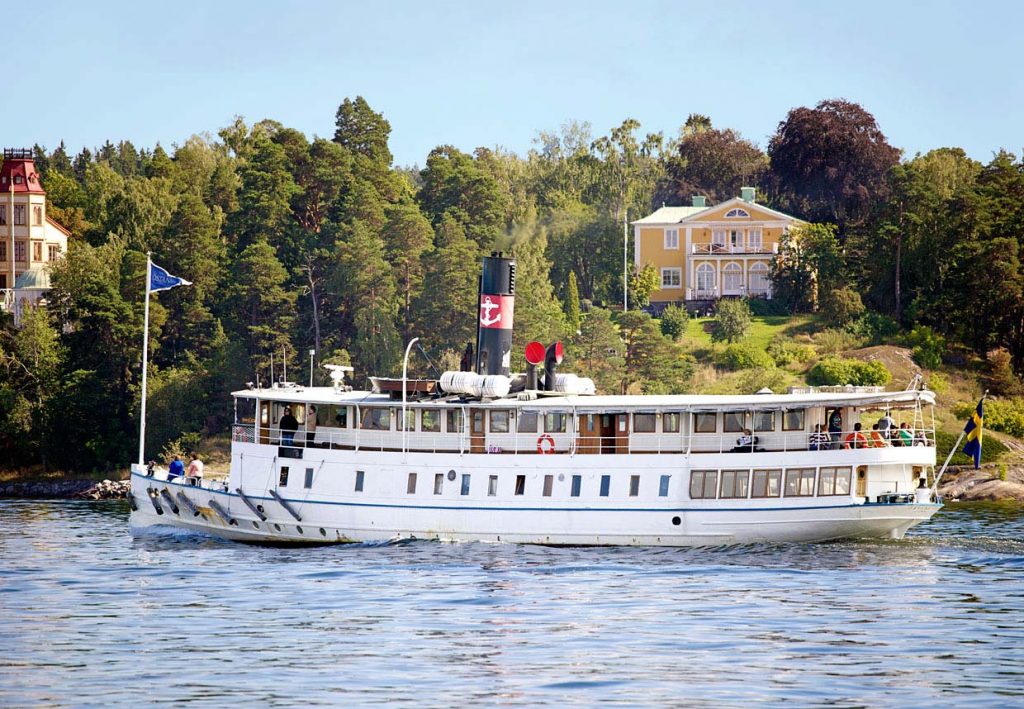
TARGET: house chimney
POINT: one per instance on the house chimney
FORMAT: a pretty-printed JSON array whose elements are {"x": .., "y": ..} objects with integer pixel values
[
  {"x": 700, "y": 200},
  {"x": 747, "y": 194}
]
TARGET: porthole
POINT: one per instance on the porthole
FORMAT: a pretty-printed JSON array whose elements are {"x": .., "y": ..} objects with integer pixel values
[
  {"x": 260, "y": 508},
  {"x": 277, "y": 526},
  {"x": 677, "y": 521},
  {"x": 323, "y": 532},
  {"x": 299, "y": 529},
  {"x": 451, "y": 474},
  {"x": 255, "y": 524}
]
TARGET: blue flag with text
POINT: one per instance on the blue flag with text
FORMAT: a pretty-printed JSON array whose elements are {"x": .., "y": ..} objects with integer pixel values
[{"x": 159, "y": 279}]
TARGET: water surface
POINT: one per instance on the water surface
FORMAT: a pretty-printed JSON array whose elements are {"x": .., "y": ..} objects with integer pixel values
[{"x": 90, "y": 616}]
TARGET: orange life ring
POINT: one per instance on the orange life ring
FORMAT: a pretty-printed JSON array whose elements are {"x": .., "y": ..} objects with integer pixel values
[{"x": 545, "y": 438}]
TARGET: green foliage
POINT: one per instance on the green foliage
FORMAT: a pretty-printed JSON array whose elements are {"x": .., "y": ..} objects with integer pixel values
[
  {"x": 830, "y": 342},
  {"x": 743, "y": 356},
  {"x": 836, "y": 371},
  {"x": 992, "y": 449},
  {"x": 927, "y": 346},
  {"x": 1002, "y": 379},
  {"x": 875, "y": 328},
  {"x": 762, "y": 307},
  {"x": 841, "y": 307},
  {"x": 572, "y": 303},
  {"x": 598, "y": 351},
  {"x": 784, "y": 351},
  {"x": 642, "y": 283},
  {"x": 810, "y": 265},
  {"x": 653, "y": 361},
  {"x": 1003, "y": 415},
  {"x": 732, "y": 320},
  {"x": 674, "y": 321}
]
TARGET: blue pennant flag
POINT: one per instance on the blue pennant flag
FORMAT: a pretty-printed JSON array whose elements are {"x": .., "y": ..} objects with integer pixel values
[
  {"x": 159, "y": 279},
  {"x": 973, "y": 430}
]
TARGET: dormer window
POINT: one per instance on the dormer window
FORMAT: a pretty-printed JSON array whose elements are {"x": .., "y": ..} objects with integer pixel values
[
  {"x": 18, "y": 179},
  {"x": 737, "y": 213}
]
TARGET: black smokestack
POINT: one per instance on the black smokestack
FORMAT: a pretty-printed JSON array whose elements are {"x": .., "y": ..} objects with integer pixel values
[
  {"x": 552, "y": 358},
  {"x": 494, "y": 321}
]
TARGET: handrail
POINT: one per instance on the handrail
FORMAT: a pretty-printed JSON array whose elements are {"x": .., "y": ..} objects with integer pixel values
[{"x": 572, "y": 442}]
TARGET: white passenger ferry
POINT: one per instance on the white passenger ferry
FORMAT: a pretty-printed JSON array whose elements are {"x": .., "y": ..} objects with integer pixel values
[{"x": 540, "y": 459}]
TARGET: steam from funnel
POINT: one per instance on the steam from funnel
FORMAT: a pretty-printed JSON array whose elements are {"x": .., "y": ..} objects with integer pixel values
[{"x": 495, "y": 318}]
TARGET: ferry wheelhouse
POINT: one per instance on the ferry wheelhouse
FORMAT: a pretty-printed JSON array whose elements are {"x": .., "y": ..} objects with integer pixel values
[{"x": 481, "y": 455}]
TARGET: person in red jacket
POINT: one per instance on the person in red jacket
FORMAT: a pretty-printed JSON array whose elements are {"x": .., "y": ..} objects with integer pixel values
[{"x": 855, "y": 439}]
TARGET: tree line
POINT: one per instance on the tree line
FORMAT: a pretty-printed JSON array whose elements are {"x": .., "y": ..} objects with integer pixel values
[{"x": 295, "y": 243}]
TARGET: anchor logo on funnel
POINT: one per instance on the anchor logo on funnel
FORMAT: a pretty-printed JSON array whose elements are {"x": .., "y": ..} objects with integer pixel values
[{"x": 485, "y": 312}]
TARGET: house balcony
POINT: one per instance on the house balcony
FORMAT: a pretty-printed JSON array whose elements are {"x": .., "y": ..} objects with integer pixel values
[
  {"x": 728, "y": 249},
  {"x": 716, "y": 293}
]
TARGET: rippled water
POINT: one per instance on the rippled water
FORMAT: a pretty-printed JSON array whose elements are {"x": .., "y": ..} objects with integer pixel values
[{"x": 91, "y": 616}]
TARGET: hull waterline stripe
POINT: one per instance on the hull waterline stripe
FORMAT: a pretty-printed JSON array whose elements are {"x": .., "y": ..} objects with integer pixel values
[{"x": 456, "y": 508}]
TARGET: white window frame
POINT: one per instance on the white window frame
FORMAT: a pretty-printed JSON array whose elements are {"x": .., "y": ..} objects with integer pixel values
[
  {"x": 672, "y": 239},
  {"x": 675, "y": 277},
  {"x": 737, "y": 213},
  {"x": 733, "y": 271},
  {"x": 705, "y": 271},
  {"x": 718, "y": 239},
  {"x": 759, "y": 270},
  {"x": 755, "y": 238}
]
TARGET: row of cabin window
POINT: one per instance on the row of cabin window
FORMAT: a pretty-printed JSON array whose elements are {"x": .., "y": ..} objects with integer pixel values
[
  {"x": 575, "y": 484},
  {"x": 740, "y": 484},
  {"x": 379, "y": 419}
]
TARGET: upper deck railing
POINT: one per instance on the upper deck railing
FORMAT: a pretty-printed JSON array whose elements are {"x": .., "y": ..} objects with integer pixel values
[{"x": 573, "y": 442}]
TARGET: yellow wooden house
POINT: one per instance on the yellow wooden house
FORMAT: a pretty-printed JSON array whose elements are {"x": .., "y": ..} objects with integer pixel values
[{"x": 703, "y": 252}]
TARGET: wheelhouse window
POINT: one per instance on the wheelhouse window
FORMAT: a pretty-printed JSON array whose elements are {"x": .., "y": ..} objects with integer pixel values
[
  {"x": 734, "y": 421},
  {"x": 766, "y": 483},
  {"x": 644, "y": 423},
  {"x": 703, "y": 484},
  {"x": 555, "y": 423},
  {"x": 670, "y": 423},
  {"x": 455, "y": 422},
  {"x": 764, "y": 420},
  {"x": 671, "y": 278},
  {"x": 671, "y": 238},
  {"x": 705, "y": 423},
  {"x": 430, "y": 421},
  {"x": 800, "y": 482},
  {"x": 499, "y": 421},
  {"x": 834, "y": 481},
  {"x": 527, "y": 422},
  {"x": 734, "y": 484},
  {"x": 377, "y": 419},
  {"x": 793, "y": 420}
]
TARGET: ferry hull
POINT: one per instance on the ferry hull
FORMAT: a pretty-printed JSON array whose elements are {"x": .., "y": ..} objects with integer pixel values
[{"x": 332, "y": 522}]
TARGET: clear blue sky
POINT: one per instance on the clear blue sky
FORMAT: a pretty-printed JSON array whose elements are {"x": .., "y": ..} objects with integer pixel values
[{"x": 478, "y": 73}]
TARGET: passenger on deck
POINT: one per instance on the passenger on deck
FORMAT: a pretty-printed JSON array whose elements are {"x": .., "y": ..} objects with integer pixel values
[
  {"x": 906, "y": 435},
  {"x": 835, "y": 426},
  {"x": 819, "y": 440},
  {"x": 886, "y": 425},
  {"x": 878, "y": 439},
  {"x": 195, "y": 470},
  {"x": 289, "y": 425},
  {"x": 746, "y": 442},
  {"x": 176, "y": 469},
  {"x": 855, "y": 439},
  {"x": 310, "y": 426}
]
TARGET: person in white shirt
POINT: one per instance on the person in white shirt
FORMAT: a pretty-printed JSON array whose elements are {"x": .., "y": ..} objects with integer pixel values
[
  {"x": 310, "y": 426},
  {"x": 194, "y": 473}
]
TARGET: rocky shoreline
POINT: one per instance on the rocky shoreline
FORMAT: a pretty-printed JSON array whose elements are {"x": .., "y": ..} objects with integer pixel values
[{"x": 67, "y": 490}]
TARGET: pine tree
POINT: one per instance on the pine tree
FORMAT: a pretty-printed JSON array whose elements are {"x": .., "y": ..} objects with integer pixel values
[
  {"x": 598, "y": 351},
  {"x": 572, "y": 304},
  {"x": 538, "y": 314},
  {"x": 262, "y": 308}
]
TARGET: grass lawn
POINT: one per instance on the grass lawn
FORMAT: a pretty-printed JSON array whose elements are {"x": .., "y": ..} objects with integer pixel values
[{"x": 762, "y": 329}]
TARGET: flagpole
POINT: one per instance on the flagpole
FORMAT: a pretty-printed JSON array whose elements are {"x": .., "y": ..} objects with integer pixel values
[
  {"x": 956, "y": 446},
  {"x": 145, "y": 363}
]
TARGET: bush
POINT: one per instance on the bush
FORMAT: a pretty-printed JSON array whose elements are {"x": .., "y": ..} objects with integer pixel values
[
  {"x": 938, "y": 382},
  {"x": 743, "y": 356},
  {"x": 1002, "y": 380},
  {"x": 833, "y": 371},
  {"x": 732, "y": 320},
  {"x": 876, "y": 328},
  {"x": 674, "y": 321},
  {"x": 762, "y": 307},
  {"x": 927, "y": 346},
  {"x": 835, "y": 341},
  {"x": 784, "y": 351},
  {"x": 1004, "y": 415},
  {"x": 841, "y": 307}
]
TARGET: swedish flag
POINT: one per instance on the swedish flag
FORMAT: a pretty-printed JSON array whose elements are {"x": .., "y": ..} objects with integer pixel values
[{"x": 973, "y": 431}]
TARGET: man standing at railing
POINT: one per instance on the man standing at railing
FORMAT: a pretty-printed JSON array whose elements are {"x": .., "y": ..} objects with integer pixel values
[{"x": 289, "y": 425}]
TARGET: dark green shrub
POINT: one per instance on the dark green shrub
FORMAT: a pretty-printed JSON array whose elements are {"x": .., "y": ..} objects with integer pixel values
[
  {"x": 762, "y": 307},
  {"x": 832, "y": 371},
  {"x": 784, "y": 351},
  {"x": 674, "y": 321},
  {"x": 841, "y": 307},
  {"x": 927, "y": 346},
  {"x": 743, "y": 356}
]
